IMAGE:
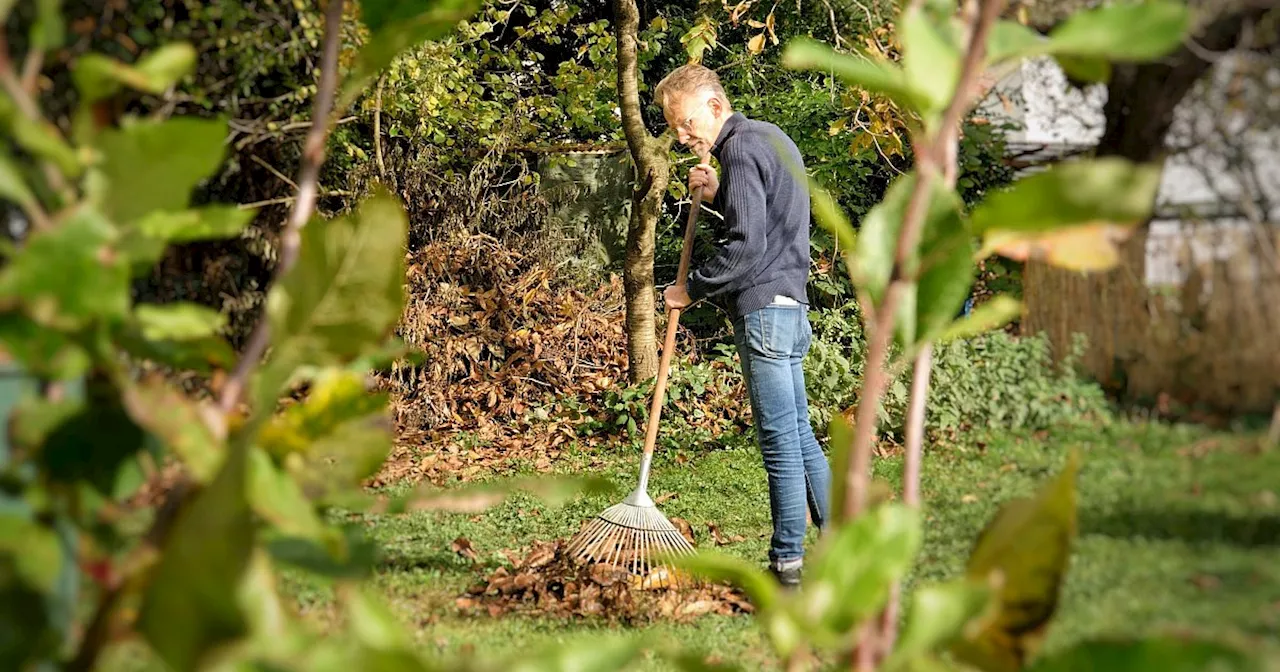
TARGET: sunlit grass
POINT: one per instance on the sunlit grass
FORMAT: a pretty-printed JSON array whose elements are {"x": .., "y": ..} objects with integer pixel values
[{"x": 1179, "y": 531}]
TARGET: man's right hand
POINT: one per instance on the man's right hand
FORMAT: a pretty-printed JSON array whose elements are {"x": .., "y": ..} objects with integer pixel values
[{"x": 703, "y": 175}]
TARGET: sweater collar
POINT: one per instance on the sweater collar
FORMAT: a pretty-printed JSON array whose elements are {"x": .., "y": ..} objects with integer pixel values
[{"x": 730, "y": 127}]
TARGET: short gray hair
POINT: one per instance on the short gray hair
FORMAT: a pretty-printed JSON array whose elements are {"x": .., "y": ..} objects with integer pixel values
[{"x": 686, "y": 80}]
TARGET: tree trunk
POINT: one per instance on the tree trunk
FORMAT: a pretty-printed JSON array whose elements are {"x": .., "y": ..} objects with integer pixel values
[
  {"x": 1141, "y": 98},
  {"x": 652, "y": 165}
]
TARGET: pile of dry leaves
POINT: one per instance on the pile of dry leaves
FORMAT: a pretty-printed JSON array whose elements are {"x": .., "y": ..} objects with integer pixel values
[
  {"x": 503, "y": 337},
  {"x": 547, "y": 582}
]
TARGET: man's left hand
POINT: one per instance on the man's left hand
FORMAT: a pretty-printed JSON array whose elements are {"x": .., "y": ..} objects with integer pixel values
[{"x": 676, "y": 296}]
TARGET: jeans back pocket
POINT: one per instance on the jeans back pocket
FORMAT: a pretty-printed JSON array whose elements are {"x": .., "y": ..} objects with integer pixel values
[{"x": 775, "y": 331}]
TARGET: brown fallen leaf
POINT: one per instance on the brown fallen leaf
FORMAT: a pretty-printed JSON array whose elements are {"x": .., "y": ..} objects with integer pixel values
[
  {"x": 462, "y": 546},
  {"x": 697, "y": 608},
  {"x": 721, "y": 539},
  {"x": 607, "y": 575},
  {"x": 685, "y": 529},
  {"x": 562, "y": 587},
  {"x": 540, "y": 556}
]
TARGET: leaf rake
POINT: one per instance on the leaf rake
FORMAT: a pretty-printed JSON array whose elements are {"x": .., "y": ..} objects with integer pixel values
[{"x": 633, "y": 533}]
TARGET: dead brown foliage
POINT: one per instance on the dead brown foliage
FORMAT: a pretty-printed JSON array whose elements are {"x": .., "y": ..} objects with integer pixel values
[
  {"x": 545, "y": 582},
  {"x": 504, "y": 339}
]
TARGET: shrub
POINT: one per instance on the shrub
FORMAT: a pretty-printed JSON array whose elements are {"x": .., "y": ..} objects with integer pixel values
[{"x": 992, "y": 381}]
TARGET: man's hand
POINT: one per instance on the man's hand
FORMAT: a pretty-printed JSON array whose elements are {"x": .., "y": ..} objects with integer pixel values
[
  {"x": 677, "y": 297},
  {"x": 703, "y": 175}
]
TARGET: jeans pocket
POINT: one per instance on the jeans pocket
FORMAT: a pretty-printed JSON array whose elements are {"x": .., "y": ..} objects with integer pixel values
[{"x": 772, "y": 332}]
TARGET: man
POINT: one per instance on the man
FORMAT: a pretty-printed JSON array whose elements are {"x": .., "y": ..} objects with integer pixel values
[{"x": 759, "y": 274}]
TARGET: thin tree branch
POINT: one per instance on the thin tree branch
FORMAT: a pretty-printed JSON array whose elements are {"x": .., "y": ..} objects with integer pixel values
[
  {"x": 949, "y": 139},
  {"x": 971, "y": 71},
  {"x": 915, "y": 427},
  {"x": 292, "y": 199},
  {"x": 125, "y": 579},
  {"x": 835, "y": 32},
  {"x": 377, "y": 130},
  {"x": 308, "y": 181},
  {"x": 936, "y": 155},
  {"x": 31, "y": 67},
  {"x": 27, "y": 106},
  {"x": 930, "y": 155},
  {"x": 912, "y": 463},
  {"x": 274, "y": 171}
]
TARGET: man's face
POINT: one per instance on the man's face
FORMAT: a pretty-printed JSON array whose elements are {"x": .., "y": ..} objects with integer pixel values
[{"x": 697, "y": 119}]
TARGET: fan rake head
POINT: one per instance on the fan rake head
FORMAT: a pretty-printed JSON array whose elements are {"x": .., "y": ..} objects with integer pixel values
[{"x": 631, "y": 536}]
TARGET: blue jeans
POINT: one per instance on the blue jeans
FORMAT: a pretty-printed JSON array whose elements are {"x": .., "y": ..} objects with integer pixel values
[{"x": 772, "y": 343}]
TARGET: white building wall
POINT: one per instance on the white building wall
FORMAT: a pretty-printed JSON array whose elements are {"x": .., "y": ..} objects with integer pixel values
[{"x": 1198, "y": 191}]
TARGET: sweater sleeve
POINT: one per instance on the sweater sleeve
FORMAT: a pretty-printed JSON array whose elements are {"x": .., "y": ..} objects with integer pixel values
[
  {"x": 742, "y": 197},
  {"x": 717, "y": 202}
]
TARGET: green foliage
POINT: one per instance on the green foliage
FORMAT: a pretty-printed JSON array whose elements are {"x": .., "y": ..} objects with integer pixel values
[
  {"x": 1024, "y": 551},
  {"x": 69, "y": 277},
  {"x": 49, "y": 30},
  {"x": 14, "y": 188},
  {"x": 97, "y": 76},
  {"x": 880, "y": 78},
  {"x": 201, "y": 579},
  {"x": 938, "y": 616},
  {"x": 397, "y": 26},
  {"x": 346, "y": 292},
  {"x": 494, "y": 85},
  {"x": 1157, "y": 653},
  {"x": 144, "y": 174},
  {"x": 943, "y": 261},
  {"x": 849, "y": 577},
  {"x": 1014, "y": 573},
  {"x": 1123, "y": 31},
  {"x": 1087, "y": 42},
  {"x": 189, "y": 605},
  {"x": 991, "y": 380},
  {"x": 1065, "y": 213},
  {"x": 930, "y": 59},
  {"x": 699, "y": 39},
  {"x": 994, "y": 314},
  {"x": 846, "y": 580},
  {"x": 693, "y": 405}
]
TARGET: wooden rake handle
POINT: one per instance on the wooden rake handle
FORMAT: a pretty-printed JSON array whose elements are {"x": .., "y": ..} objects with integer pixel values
[{"x": 669, "y": 345}]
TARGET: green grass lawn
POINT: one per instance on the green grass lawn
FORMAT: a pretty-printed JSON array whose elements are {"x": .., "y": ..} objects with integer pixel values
[{"x": 1179, "y": 531}]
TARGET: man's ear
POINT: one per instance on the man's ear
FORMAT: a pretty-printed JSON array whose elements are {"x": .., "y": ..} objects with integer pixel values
[{"x": 717, "y": 105}]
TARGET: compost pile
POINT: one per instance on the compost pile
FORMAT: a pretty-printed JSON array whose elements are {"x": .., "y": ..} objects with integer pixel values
[
  {"x": 546, "y": 582},
  {"x": 506, "y": 341}
]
